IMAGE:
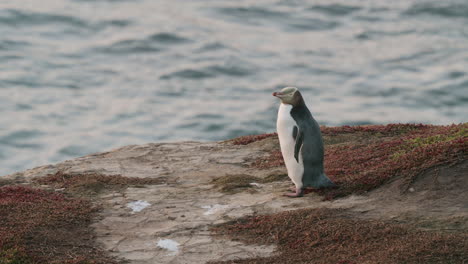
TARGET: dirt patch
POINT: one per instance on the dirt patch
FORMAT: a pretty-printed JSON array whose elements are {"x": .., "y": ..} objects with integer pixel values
[
  {"x": 93, "y": 183},
  {"x": 334, "y": 236},
  {"x": 38, "y": 226}
]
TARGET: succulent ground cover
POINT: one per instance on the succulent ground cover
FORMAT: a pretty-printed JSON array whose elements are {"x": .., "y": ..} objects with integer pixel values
[
  {"x": 361, "y": 158},
  {"x": 332, "y": 236}
]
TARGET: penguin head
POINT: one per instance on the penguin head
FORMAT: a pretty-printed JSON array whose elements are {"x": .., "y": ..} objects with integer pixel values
[{"x": 289, "y": 95}]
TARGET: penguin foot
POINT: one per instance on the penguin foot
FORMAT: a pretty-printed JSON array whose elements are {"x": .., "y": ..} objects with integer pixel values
[{"x": 297, "y": 193}]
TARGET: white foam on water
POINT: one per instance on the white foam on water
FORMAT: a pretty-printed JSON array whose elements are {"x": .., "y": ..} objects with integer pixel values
[{"x": 137, "y": 206}]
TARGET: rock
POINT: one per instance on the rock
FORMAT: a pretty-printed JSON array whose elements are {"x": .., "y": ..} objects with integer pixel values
[
  {"x": 134, "y": 222},
  {"x": 170, "y": 223}
]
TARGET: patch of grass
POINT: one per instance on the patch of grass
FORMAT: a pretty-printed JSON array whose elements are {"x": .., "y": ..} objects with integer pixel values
[
  {"x": 234, "y": 183},
  {"x": 14, "y": 255},
  {"x": 238, "y": 182},
  {"x": 332, "y": 236},
  {"x": 94, "y": 183},
  {"x": 245, "y": 140},
  {"x": 274, "y": 159},
  {"x": 38, "y": 226},
  {"x": 384, "y": 152},
  {"x": 275, "y": 176}
]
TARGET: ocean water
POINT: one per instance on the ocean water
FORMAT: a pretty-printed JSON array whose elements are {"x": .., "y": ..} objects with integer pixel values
[{"x": 82, "y": 76}]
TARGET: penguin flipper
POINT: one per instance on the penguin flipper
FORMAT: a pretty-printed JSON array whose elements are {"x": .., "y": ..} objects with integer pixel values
[
  {"x": 299, "y": 139},
  {"x": 295, "y": 129}
]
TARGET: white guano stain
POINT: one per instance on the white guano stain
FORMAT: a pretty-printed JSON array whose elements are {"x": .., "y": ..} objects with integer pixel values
[
  {"x": 212, "y": 209},
  {"x": 170, "y": 245},
  {"x": 137, "y": 206}
]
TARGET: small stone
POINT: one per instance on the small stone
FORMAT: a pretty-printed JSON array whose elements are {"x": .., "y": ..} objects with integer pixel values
[{"x": 411, "y": 189}]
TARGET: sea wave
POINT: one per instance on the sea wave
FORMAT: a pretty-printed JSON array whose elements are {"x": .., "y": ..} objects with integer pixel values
[{"x": 81, "y": 76}]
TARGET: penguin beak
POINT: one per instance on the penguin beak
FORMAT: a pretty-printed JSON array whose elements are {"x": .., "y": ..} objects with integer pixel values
[{"x": 278, "y": 94}]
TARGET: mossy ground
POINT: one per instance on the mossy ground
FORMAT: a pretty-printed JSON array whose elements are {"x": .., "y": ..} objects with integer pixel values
[
  {"x": 361, "y": 158},
  {"x": 332, "y": 236}
]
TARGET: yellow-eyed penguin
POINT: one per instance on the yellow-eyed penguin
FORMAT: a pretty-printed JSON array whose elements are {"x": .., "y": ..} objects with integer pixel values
[{"x": 301, "y": 142}]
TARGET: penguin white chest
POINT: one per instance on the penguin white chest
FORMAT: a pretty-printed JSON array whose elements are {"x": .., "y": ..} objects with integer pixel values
[{"x": 284, "y": 126}]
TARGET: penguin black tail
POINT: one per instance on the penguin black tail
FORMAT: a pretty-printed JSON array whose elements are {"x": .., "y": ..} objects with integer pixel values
[
  {"x": 325, "y": 182},
  {"x": 317, "y": 179}
]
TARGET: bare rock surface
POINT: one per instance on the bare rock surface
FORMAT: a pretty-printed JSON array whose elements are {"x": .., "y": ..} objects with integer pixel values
[{"x": 169, "y": 223}]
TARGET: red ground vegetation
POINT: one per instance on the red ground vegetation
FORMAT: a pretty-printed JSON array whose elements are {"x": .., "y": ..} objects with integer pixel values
[
  {"x": 364, "y": 166},
  {"x": 331, "y": 236},
  {"x": 390, "y": 129},
  {"x": 375, "y": 154},
  {"x": 38, "y": 226}
]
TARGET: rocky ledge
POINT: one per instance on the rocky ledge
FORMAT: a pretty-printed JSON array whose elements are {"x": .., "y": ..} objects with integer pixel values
[{"x": 199, "y": 202}]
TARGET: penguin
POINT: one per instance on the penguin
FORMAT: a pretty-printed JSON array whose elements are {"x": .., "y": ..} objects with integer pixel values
[{"x": 301, "y": 143}]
